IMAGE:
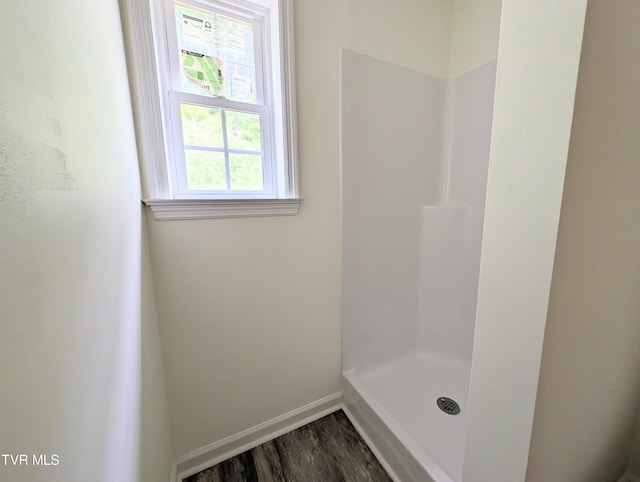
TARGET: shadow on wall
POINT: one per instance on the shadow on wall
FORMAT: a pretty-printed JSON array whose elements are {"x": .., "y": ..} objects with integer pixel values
[{"x": 70, "y": 251}]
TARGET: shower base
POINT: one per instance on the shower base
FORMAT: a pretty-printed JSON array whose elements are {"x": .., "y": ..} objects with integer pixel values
[{"x": 395, "y": 405}]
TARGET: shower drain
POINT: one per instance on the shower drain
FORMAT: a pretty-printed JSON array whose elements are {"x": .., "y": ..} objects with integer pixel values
[{"x": 448, "y": 405}]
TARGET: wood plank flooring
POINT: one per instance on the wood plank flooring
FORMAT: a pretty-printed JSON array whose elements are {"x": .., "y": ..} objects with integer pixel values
[{"x": 327, "y": 450}]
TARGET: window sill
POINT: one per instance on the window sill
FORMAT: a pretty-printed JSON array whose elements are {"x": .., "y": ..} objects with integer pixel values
[{"x": 178, "y": 209}]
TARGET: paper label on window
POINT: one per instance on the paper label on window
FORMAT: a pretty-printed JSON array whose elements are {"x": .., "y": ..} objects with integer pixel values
[
  {"x": 217, "y": 54},
  {"x": 241, "y": 87},
  {"x": 193, "y": 27},
  {"x": 206, "y": 72},
  {"x": 226, "y": 33}
]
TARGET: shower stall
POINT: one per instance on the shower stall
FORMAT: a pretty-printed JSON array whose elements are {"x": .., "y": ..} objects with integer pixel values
[
  {"x": 487, "y": 304},
  {"x": 415, "y": 152}
]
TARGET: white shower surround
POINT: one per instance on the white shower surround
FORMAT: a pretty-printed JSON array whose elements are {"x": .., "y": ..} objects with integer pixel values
[{"x": 415, "y": 152}]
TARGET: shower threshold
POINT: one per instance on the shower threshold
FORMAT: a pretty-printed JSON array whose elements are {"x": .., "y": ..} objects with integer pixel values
[{"x": 395, "y": 405}]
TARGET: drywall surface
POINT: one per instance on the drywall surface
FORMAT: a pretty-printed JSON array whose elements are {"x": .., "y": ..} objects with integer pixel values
[
  {"x": 530, "y": 141},
  {"x": 415, "y": 34},
  {"x": 69, "y": 246},
  {"x": 70, "y": 257},
  {"x": 475, "y": 30},
  {"x": 156, "y": 452},
  {"x": 249, "y": 308},
  {"x": 634, "y": 464},
  {"x": 388, "y": 174},
  {"x": 591, "y": 358}
]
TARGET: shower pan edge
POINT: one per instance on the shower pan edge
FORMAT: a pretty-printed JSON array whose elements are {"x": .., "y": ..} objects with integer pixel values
[{"x": 400, "y": 451}]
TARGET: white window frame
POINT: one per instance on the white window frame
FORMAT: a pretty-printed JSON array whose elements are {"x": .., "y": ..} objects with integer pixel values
[{"x": 145, "y": 36}]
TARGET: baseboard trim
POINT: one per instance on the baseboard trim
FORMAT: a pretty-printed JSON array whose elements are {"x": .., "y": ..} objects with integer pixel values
[{"x": 228, "y": 447}]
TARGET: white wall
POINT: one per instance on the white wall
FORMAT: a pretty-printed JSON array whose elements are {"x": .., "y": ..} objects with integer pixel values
[
  {"x": 475, "y": 30},
  {"x": 392, "y": 162},
  {"x": 536, "y": 77},
  {"x": 634, "y": 465},
  {"x": 452, "y": 233},
  {"x": 590, "y": 380},
  {"x": 69, "y": 245},
  {"x": 411, "y": 260},
  {"x": 415, "y": 34},
  {"x": 156, "y": 451},
  {"x": 249, "y": 308}
]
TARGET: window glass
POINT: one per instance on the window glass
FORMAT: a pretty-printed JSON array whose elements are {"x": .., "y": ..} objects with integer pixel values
[
  {"x": 205, "y": 170},
  {"x": 243, "y": 131},
  {"x": 201, "y": 126},
  {"x": 217, "y": 54},
  {"x": 246, "y": 172}
]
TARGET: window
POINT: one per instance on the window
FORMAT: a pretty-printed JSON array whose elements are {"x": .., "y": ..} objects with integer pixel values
[{"x": 212, "y": 84}]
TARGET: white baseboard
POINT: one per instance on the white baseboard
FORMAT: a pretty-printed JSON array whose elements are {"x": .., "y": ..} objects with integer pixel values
[{"x": 228, "y": 447}]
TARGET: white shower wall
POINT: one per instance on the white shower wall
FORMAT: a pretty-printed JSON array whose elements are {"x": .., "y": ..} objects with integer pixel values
[
  {"x": 452, "y": 231},
  {"x": 391, "y": 166},
  {"x": 415, "y": 151}
]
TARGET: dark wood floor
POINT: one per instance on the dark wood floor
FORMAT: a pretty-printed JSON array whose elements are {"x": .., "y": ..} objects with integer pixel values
[{"x": 327, "y": 450}]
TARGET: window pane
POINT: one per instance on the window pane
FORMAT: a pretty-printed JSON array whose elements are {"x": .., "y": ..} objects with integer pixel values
[
  {"x": 243, "y": 131},
  {"x": 205, "y": 170},
  {"x": 201, "y": 126},
  {"x": 246, "y": 172},
  {"x": 217, "y": 54}
]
